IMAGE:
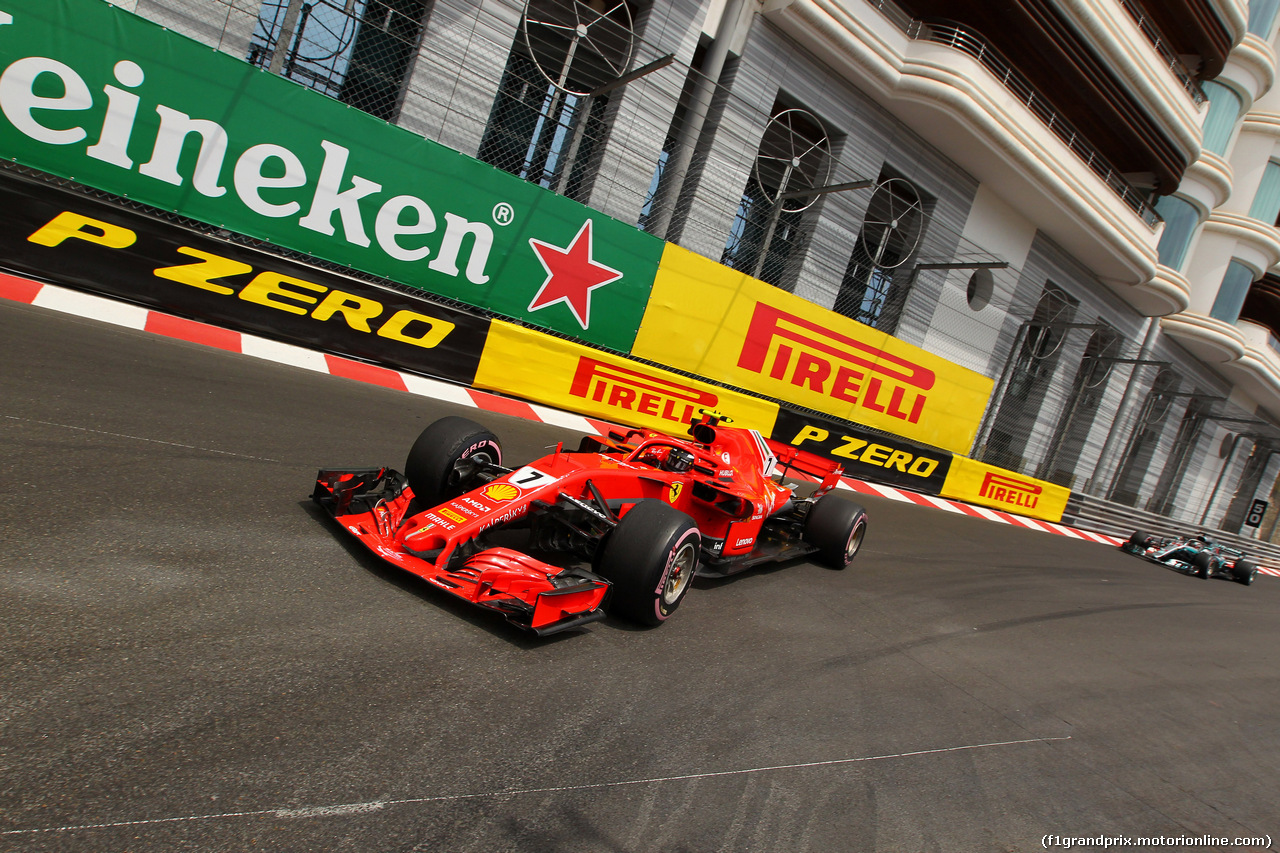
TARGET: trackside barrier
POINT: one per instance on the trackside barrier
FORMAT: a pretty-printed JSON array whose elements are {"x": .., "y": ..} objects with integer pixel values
[
  {"x": 101, "y": 247},
  {"x": 210, "y": 137},
  {"x": 216, "y": 140},
  {"x": 1092, "y": 513},
  {"x": 725, "y": 326}
]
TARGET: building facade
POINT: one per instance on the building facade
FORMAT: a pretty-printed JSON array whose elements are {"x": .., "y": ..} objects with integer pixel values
[{"x": 1074, "y": 198}]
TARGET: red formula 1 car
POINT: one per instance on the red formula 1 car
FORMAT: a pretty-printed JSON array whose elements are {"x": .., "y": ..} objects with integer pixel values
[{"x": 623, "y": 522}]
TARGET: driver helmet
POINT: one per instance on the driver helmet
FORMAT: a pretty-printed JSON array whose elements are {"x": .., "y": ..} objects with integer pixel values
[{"x": 678, "y": 460}]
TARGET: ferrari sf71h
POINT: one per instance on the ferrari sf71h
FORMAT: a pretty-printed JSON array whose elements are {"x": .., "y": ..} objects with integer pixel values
[
  {"x": 623, "y": 522},
  {"x": 1193, "y": 555}
]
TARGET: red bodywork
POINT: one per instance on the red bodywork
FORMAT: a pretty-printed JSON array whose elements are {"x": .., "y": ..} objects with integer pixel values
[{"x": 577, "y": 496}]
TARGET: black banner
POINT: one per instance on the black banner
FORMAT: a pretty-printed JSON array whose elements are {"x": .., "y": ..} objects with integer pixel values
[
  {"x": 865, "y": 454},
  {"x": 66, "y": 238}
]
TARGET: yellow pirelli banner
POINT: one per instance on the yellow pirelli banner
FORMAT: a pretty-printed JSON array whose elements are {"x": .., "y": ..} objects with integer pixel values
[
  {"x": 986, "y": 485},
  {"x": 567, "y": 375},
  {"x": 729, "y": 327}
]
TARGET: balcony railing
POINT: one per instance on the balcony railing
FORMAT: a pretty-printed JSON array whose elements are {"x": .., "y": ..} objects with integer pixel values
[
  {"x": 964, "y": 39},
  {"x": 1161, "y": 45}
]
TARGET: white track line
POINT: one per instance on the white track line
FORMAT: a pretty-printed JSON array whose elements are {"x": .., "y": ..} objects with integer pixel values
[{"x": 378, "y": 805}]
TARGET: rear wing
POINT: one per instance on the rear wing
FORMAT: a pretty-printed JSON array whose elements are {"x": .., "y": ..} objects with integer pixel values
[{"x": 826, "y": 471}]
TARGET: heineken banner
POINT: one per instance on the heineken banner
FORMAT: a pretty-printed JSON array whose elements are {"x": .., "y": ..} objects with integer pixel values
[
  {"x": 108, "y": 99},
  {"x": 70, "y": 239}
]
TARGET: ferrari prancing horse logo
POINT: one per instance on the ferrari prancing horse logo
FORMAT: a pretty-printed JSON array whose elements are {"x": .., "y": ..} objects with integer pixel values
[{"x": 674, "y": 492}]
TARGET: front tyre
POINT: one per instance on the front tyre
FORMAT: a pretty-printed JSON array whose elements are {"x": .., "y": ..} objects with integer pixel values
[
  {"x": 1202, "y": 562},
  {"x": 835, "y": 526},
  {"x": 651, "y": 558},
  {"x": 442, "y": 463}
]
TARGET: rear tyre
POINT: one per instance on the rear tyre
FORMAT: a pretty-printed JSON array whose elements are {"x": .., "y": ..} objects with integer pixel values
[
  {"x": 651, "y": 558},
  {"x": 1245, "y": 571},
  {"x": 441, "y": 463},
  {"x": 835, "y": 526},
  {"x": 1202, "y": 562}
]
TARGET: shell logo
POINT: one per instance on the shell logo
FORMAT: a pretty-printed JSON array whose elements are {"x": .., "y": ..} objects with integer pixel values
[{"x": 500, "y": 492}]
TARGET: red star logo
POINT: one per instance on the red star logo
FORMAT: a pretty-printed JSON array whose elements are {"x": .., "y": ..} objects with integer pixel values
[{"x": 571, "y": 275}]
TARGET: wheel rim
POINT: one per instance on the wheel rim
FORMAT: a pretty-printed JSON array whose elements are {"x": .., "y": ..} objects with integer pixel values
[
  {"x": 855, "y": 541},
  {"x": 682, "y": 566},
  {"x": 455, "y": 475}
]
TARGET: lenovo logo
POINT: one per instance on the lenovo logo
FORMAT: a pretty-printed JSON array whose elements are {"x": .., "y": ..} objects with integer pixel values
[
  {"x": 808, "y": 355},
  {"x": 998, "y": 487},
  {"x": 623, "y": 388}
]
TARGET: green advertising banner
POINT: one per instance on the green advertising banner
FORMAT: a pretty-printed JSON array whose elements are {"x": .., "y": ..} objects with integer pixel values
[{"x": 105, "y": 98}]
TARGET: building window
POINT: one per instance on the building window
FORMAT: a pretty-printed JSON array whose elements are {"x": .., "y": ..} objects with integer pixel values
[
  {"x": 545, "y": 125},
  {"x": 874, "y": 287},
  {"x": 1231, "y": 293},
  {"x": 1262, "y": 16},
  {"x": 1224, "y": 110},
  {"x": 358, "y": 51},
  {"x": 768, "y": 229},
  {"x": 1143, "y": 443},
  {"x": 1027, "y": 379},
  {"x": 1180, "y": 220},
  {"x": 1266, "y": 203},
  {"x": 1083, "y": 405}
]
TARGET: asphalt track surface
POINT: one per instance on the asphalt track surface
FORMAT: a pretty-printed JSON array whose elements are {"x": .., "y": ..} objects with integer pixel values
[{"x": 194, "y": 659}]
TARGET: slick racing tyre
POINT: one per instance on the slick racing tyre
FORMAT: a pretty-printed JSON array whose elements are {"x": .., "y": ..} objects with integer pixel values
[
  {"x": 651, "y": 558},
  {"x": 1140, "y": 539},
  {"x": 1245, "y": 571},
  {"x": 835, "y": 526},
  {"x": 1202, "y": 562},
  {"x": 442, "y": 462}
]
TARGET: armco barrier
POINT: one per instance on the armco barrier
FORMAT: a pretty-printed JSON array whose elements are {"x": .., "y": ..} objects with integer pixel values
[
  {"x": 567, "y": 375},
  {"x": 212, "y": 138},
  {"x": 186, "y": 129},
  {"x": 726, "y": 326},
  {"x": 101, "y": 248},
  {"x": 1120, "y": 520}
]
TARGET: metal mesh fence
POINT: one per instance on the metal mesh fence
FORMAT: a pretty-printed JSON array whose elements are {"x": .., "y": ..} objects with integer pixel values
[
  {"x": 354, "y": 50},
  {"x": 1078, "y": 405},
  {"x": 590, "y": 101},
  {"x": 567, "y": 95}
]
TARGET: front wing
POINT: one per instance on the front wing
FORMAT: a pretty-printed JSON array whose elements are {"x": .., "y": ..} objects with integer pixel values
[{"x": 372, "y": 504}]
